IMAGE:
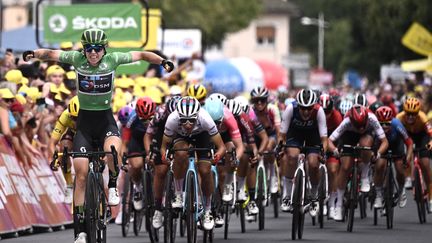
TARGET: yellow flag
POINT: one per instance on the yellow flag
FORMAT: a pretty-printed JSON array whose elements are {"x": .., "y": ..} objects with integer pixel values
[
  {"x": 417, "y": 65},
  {"x": 418, "y": 39}
]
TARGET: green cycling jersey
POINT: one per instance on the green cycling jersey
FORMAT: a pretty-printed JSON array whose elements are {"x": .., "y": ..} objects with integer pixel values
[{"x": 95, "y": 83}]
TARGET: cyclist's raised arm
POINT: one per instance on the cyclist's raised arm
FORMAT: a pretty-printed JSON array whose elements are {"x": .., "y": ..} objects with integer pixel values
[
  {"x": 42, "y": 54},
  {"x": 152, "y": 58}
]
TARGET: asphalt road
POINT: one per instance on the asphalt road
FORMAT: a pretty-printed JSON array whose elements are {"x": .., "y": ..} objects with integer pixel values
[{"x": 406, "y": 229}]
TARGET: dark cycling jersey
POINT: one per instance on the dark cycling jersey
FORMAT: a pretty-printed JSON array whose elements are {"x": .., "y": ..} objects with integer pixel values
[{"x": 246, "y": 128}]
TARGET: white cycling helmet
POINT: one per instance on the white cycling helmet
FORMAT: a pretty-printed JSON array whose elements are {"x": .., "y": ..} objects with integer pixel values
[
  {"x": 188, "y": 107},
  {"x": 218, "y": 96},
  {"x": 234, "y": 107},
  {"x": 360, "y": 99},
  {"x": 244, "y": 103},
  {"x": 306, "y": 98},
  {"x": 345, "y": 106},
  {"x": 259, "y": 92}
]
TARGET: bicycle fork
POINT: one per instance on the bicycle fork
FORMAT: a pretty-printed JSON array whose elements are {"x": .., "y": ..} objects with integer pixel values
[
  {"x": 300, "y": 167},
  {"x": 261, "y": 168},
  {"x": 192, "y": 170}
]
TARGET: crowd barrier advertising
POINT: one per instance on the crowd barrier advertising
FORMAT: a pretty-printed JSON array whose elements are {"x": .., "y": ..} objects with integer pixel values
[{"x": 30, "y": 197}]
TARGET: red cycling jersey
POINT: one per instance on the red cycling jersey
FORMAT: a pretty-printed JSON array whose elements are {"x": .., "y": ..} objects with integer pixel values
[
  {"x": 246, "y": 128},
  {"x": 333, "y": 120}
]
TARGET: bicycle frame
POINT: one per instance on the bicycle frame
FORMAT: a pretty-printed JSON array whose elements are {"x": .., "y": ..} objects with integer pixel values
[
  {"x": 301, "y": 167},
  {"x": 261, "y": 168}
]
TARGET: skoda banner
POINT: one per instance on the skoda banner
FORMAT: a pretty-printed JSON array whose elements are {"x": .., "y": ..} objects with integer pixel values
[{"x": 66, "y": 23}]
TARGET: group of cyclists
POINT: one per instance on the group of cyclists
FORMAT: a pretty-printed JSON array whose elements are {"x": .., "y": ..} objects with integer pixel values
[{"x": 257, "y": 129}]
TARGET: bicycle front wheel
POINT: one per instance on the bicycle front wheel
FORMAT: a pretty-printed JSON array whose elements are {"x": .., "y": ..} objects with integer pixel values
[
  {"x": 353, "y": 197},
  {"x": 91, "y": 210},
  {"x": 389, "y": 191},
  {"x": 191, "y": 226},
  {"x": 170, "y": 222},
  {"x": 296, "y": 204},
  {"x": 418, "y": 196},
  {"x": 322, "y": 195},
  {"x": 261, "y": 199}
]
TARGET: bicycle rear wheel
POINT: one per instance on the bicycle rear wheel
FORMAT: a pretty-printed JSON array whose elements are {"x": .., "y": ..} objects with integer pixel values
[
  {"x": 242, "y": 209},
  {"x": 148, "y": 206},
  {"x": 91, "y": 208},
  {"x": 296, "y": 204},
  {"x": 418, "y": 196},
  {"x": 352, "y": 201},
  {"x": 191, "y": 224},
  {"x": 126, "y": 204},
  {"x": 275, "y": 201},
  {"x": 389, "y": 190},
  {"x": 260, "y": 199}
]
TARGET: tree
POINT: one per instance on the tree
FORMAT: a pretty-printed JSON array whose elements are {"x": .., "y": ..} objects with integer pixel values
[
  {"x": 214, "y": 18},
  {"x": 363, "y": 34}
]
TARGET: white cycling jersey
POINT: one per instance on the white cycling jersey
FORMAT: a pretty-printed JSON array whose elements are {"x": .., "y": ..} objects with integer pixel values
[
  {"x": 204, "y": 123},
  {"x": 373, "y": 127}
]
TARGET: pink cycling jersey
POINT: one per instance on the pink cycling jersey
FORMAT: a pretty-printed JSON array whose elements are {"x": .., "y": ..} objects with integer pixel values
[{"x": 229, "y": 125}]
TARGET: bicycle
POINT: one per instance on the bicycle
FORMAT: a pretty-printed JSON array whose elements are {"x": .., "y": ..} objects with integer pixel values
[
  {"x": 391, "y": 189},
  {"x": 301, "y": 187},
  {"x": 420, "y": 188},
  {"x": 261, "y": 191},
  {"x": 191, "y": 210},
  {"x": 148, "y": 209},
  {"x": 229, "y": 207},
  {"x": 274, "y": 196},
  {"x": 96, "y": 209},
  {"x": 353, "y": 186}
]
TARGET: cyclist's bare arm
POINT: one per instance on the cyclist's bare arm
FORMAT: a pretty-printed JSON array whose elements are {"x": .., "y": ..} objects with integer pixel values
[
  {"x": 264, "y": 141},
  {"x": 47, "y": 54},
  {"x": 331, "y": 146},
  {"x": 147, "y": 142},
  {"x": 217, "y": 140},
  {"x": 238, "y": 143},
  {"x": 146, "y": 56},
  {"x": 165, "y": 141},
  {"x": 325, "y": 143},
  {"x": 383, "y": 146}
]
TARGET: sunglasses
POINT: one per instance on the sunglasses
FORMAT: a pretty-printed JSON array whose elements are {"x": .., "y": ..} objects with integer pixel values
[
  {"x": 96, "y": 48},
  {"x": 308, "y": 108},
  {"x": 385, "y": 124},
  {"x": 259, "y": 100},
  {"x": 187, "y": 120},
  {"x": 411, "y": 113}
]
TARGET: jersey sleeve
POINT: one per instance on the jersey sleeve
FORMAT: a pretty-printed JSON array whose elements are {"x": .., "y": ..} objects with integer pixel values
[
  {"x": 71, "y": 57},
  {"x": 322, "y": 122},
  {"x": 376, "y": 126},
  {"x": 427, "y": 124},
  {"x": 340, "y": 129},
  {"x": 126, "y": 133},
  {"x": 121, "y": 57},
  {"x": 60, "y": 126},
  {"x": 231, "y": 125},
  {"x": 286, "y": 118},
  {"x": 402, "y": 131},
  {"x": 171, "y": 125},
  {"x": 276, "y": 115}
]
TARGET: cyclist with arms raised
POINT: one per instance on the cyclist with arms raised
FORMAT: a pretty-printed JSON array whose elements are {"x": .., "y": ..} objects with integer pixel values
[{"x": 95, "y": 74}]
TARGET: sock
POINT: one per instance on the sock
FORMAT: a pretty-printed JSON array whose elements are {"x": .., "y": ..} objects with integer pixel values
[
  {"x": 365, "y": 171},
  {"x": 332, "y": 199},
  {"x": 252, "y": 194},
  {"x": 158, "y": 204},
  {"x": 178, "y": 184},
  {"x": 79, "y": 219},
  {"x": 112, "y": 183},
  {"x": 207, "y": 203},
  {"x": 229, "y": 178},
  {"x": 339, "y": 200},
  {"x": 241, "y": 182},
  {"x": 288, "y": 187},
  {"x": 272, "y": 170}
]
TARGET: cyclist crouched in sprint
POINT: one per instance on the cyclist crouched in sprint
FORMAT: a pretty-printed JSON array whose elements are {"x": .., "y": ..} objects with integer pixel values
[
  {"x": 333, "y": 119},
  {"x": 152, "y": 144},
  {"x": 397, "y": 136},
  {"x": 230, "y": 133},
  {"x": 133, "y": 135},
  {"x": 358, "y": 127},
  {"x": 191, "y": 125},
  {"x": 303, "y": 123}
]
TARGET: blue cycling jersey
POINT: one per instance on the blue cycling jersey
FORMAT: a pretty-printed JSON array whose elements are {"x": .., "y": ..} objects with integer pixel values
[{"x": 397, "y": 131}]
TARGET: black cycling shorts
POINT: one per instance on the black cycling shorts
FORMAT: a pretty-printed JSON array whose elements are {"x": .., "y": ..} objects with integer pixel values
[
  {"x": 93, "y": 126},
  {"x": 309, "y": 138},
  {"x": 136, "y": 145},
  {"x": 200, "y": 140},
  {"x": 420, "y": 140}
]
